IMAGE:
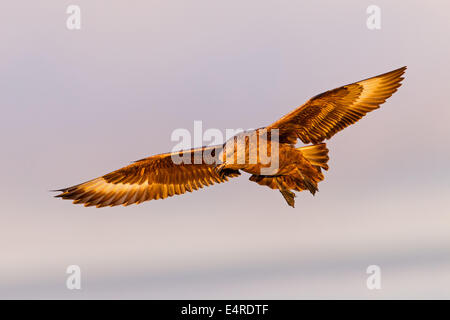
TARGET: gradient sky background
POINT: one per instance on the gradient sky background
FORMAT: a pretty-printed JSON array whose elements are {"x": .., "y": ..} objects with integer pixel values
[{"x": 78, "y": 104}]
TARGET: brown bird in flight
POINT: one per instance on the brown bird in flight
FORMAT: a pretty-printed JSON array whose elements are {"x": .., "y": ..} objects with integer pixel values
[{"x": 289, "y": 168}]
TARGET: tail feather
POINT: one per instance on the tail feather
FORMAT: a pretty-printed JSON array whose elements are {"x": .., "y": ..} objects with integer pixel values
[
  {"x": 316, "y": 154},
  {"x": 303, "y": 176}
]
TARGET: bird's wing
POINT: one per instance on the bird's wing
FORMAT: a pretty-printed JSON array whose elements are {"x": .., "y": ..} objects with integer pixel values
[
  {"x": 327, "y": 113},
  {"x": 156, "y": 177}
]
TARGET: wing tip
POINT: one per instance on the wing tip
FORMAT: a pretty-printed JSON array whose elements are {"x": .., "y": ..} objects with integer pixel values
[
  {"x": 398, "y": 72},
  {"x": 58, "y": 190}
]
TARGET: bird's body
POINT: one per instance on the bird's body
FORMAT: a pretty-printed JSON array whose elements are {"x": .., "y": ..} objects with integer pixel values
[
  {"x": 277, "y": 165},
  {"x": 269, "y": 154}
]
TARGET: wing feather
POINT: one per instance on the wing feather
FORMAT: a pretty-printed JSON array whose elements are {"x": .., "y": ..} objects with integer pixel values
[
  {"x": 156, "y": 177},
  {"x": 327, "y": 113}
]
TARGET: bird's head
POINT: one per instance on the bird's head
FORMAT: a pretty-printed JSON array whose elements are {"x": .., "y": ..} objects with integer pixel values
[{"x": 235, "y": 150}]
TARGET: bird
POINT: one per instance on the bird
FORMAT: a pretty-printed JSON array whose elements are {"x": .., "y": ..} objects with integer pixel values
[{"x": 298, "y": 168}]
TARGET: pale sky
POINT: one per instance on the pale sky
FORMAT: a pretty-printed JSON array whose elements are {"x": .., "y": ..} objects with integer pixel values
[{"x": 78, "y": 104}]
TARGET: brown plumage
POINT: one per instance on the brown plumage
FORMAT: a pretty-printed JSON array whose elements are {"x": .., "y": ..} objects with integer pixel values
[
  {"x": 159, "y": 177},
  {"x": 156, "y": 177}
]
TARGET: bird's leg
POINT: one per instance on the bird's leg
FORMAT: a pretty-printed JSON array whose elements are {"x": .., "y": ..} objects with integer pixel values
[
  {"x": 287, "y": 195},
  {"x": 310, "y": 185}
]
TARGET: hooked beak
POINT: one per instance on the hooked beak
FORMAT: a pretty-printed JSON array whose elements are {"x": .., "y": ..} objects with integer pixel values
[{"x": 219, "y": 169}]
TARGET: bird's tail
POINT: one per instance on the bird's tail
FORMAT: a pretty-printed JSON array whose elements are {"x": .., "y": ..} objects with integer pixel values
[
  {"x": 305, "y": 178},
  {"x": 316, "y": 154}
]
